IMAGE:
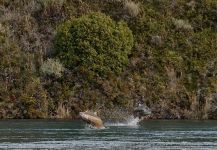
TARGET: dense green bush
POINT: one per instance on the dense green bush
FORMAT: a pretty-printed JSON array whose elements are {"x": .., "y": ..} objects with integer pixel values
[{"x": 94, "y": 44}]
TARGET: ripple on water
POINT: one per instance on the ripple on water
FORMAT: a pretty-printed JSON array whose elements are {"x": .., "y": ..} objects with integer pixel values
[
  {"x": 75, "y": 135},
  {"x": 82, "y": 144}
]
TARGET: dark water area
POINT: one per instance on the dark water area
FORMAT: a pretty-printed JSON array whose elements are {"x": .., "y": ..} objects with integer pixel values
[{"x": 151, "y": 134}]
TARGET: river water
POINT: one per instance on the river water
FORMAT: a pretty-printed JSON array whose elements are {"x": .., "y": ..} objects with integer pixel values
[{"x": 151, "y": 134}]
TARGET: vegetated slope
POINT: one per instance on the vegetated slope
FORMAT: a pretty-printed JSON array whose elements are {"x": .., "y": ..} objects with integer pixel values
[{"x": 171, "y": 67}]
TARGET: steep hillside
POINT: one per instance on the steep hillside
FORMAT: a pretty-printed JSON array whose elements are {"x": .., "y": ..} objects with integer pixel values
[{"x": 58, "y": 58}]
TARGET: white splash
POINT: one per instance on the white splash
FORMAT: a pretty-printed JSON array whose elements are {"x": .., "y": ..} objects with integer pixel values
[
  {"x": 90, "y": 127},
  {"x": 130, "y": 121}
]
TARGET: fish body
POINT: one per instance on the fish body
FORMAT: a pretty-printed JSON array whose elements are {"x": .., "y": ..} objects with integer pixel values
[{"x": 92, "y": 119}]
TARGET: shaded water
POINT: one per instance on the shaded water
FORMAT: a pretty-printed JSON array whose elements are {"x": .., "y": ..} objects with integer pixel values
[{"x": 160, "y": 134}]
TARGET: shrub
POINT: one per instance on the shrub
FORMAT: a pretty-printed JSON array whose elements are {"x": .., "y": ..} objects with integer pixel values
[
  {"x": 34, "y": 100},
  {"x": 2, "y": 32},
  {"x": 131, "y": 8},
  {"x": 46, "y": 3},
  {"x": 156, "y": 40},
  {"x": 52, "y": 67},
  {"x": 181, "y": 24},
  {"x": 94, "y": 44}
]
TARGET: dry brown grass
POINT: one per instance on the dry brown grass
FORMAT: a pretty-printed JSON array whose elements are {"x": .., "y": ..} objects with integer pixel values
[
  {"x": 52, "y": 67},
  {"x": 131, "y": 8},
  {"x": 182, "y": 25},
  {"x": 62, "y": 112}
]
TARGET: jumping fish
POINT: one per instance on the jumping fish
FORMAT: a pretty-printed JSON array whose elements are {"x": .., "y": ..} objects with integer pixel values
[{"x": 92, "y": 119}]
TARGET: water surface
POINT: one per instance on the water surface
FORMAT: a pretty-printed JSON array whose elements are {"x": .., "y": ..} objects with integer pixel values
[{"x": 159, "y": 134}]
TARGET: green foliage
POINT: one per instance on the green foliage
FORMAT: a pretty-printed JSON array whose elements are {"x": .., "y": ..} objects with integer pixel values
[
  {"x": 34, "y": 100},
  {"x": 22, "y": 95},
  {"x": 94, "y": 43},
  {"x": 46, "y": 3},
  {"x": 172, "y": 66}
]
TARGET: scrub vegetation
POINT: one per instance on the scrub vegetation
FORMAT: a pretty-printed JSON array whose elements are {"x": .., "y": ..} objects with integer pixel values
[{"x": 60, "y": 57}]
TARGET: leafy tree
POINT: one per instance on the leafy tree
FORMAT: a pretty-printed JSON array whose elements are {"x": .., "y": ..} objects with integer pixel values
[{"x": 94, "y": 44}]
